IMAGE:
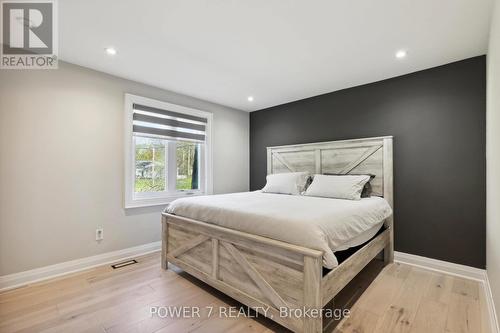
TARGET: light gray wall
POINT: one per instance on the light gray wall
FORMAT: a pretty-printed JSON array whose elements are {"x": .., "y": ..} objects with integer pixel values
[
  {"x": 493, "y": 160},
  {"x": 61, "y": 164}
]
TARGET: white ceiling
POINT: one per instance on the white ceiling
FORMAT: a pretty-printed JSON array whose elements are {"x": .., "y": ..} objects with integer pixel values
[{"x": 275, "y": 50}]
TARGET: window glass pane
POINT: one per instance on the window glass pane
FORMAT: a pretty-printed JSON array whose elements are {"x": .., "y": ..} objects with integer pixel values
[
  {"x": 188, "y": 165},
  {"x": 150, "y": 157}
]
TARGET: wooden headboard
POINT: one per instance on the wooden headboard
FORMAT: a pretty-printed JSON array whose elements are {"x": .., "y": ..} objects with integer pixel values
[{"x": 358, "y": 156}]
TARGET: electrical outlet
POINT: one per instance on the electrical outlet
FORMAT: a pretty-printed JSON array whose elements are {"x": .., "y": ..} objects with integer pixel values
[{"x": 99, "y": 234}]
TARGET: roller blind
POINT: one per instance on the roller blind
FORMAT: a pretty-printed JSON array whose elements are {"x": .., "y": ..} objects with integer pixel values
[{"x": 150, "y": 121}]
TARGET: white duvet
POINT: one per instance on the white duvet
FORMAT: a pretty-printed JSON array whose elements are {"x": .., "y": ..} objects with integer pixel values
[{"x": 323, "y": 224}]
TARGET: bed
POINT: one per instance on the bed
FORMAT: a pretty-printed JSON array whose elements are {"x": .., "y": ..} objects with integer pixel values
[{"x": 272, "y": 251}]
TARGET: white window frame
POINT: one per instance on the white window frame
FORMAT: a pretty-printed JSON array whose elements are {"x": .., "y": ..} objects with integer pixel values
[{"x": 132, "y": 199}]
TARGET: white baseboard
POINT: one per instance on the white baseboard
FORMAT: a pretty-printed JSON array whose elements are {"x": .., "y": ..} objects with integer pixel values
[
  {"x": 467, "y": 272},
  {"x": 43, "y": 273},
  {"x": 491, "y": 307},
  {"x": 456, "y": 270}
]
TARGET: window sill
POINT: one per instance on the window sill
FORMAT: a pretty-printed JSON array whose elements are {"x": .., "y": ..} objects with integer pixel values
[{"x": 149, "y": 202}]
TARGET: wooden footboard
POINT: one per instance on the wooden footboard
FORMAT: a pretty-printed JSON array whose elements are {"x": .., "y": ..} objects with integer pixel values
[
  {"x": 260, "y": 272},
  {"x": 257, "y": 271}
]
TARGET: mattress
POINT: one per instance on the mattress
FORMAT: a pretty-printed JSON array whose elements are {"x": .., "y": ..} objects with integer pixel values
[{"x": 323, "y": 224}]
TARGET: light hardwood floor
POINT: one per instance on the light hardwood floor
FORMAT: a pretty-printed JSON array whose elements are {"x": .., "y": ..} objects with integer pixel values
[{"x": 399, "y": 299}]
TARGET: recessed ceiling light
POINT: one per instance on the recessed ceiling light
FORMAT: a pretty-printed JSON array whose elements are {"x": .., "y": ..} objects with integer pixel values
[
  {"x": 401, "y": 54},
  {"x": 110, "y": 51},
  {"x": 250, "y": 98}
]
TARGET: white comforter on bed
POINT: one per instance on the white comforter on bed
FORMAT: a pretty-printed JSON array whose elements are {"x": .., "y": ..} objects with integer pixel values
[{"x": 323, "y": 224}]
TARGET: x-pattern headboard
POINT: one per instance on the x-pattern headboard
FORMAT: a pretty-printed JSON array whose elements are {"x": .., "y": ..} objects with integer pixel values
[{"x": 358, "y": 156}]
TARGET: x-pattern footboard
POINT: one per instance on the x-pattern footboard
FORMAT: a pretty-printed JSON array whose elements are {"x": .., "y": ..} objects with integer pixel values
[{"x": 259, "y": 272}]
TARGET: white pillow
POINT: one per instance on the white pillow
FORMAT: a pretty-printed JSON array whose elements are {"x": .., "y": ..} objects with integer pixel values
[
  {"x": 340, "y": 187},
  {"x": 286, "y": 183}
]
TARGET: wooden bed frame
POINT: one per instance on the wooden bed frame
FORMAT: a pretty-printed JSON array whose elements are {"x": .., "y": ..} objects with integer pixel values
[{"x": 264, "y": 273}]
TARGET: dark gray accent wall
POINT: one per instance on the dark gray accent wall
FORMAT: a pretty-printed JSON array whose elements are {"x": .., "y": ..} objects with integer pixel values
[{"x": 437, "y": 118}]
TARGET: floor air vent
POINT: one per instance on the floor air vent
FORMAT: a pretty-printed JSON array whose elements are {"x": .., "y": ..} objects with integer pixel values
[{"x": 123, "y": 264}]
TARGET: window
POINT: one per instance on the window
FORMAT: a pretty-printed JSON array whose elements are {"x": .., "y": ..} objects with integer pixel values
[
  {"x": 150, "y": 164},
  {"x": 168, "y": 152}
]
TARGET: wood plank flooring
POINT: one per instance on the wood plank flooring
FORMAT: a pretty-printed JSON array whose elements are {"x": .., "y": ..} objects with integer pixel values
[{"x": 397, "y": 298}]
